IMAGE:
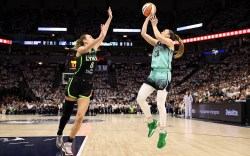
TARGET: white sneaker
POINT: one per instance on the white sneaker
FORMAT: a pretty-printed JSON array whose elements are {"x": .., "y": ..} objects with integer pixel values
[
  {"x": 59, "y": 141},
  {"x": 67, "y": 148}
]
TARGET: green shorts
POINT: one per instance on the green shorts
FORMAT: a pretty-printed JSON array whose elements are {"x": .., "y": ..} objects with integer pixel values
[{"x": 159, "y": 79}]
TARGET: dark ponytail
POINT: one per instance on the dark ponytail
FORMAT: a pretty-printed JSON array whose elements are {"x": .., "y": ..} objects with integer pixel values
[{"x": 174, "y": 37}]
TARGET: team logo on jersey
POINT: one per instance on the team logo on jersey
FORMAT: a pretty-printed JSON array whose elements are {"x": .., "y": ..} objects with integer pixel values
[
  {"x": 161, "y": 84},
  {"x": 91, "y": 58}
]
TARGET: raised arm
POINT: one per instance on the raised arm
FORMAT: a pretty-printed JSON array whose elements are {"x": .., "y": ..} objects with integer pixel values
[
  {"x": 105, "y": 27},
  {"x": 167, "y": 41},
  {"x": 144, "y": 34},
  {"x": 85, "y": 49}
]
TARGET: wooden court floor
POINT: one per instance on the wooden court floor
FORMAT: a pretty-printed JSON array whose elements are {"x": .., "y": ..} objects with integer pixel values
[{"x": 126, "y": 135}]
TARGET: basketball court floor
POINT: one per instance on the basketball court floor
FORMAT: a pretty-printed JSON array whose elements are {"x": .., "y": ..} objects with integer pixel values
[{"x": 121, "y": 135}]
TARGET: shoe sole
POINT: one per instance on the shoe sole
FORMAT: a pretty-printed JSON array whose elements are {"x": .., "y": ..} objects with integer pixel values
[{"x": 154, "y": 129}]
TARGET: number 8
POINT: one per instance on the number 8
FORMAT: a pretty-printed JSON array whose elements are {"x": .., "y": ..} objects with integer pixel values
[{"x": 92, "y": 65}]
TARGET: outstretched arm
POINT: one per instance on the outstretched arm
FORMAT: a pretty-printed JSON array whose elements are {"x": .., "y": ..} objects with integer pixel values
[
  {"x": 167, "y": 41},
  {"x": 105, "y": 27},
  {"x": 84, "y": 49},
  {"x": 144, "y": 34}
]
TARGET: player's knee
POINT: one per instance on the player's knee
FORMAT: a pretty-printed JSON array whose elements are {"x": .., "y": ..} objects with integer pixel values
[
  {"x": 79, "y": 118},
  {"x": 66, "y": 117}
]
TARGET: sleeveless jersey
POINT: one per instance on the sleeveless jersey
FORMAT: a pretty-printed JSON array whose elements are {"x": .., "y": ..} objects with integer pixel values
[
  {"x": 161, "y": 57},
  {"x": 85, "y": 65}
]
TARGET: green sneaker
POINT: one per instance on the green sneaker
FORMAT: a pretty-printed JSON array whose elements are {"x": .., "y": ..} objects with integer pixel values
[
  {"x": 162, "y": 139},
  {"x": 152, "y": 126}
]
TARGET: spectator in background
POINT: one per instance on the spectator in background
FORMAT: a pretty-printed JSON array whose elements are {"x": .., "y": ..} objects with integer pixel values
[{"x": 188, "y": 100}]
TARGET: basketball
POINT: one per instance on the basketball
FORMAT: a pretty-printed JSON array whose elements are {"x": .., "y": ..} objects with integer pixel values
[{"x": 148, "y": 8}]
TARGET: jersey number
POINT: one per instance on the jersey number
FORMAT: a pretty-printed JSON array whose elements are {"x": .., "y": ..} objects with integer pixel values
[
  {"x": 92, "y": 65},
  {"x": 157, "y": 53}
]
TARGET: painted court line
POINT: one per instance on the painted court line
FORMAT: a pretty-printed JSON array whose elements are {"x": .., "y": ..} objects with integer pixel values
[{"x": 82, "y": 146}]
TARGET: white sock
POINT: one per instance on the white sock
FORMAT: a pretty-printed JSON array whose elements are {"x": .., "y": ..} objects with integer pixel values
[
  {"x": 163, "y": 131},
  {"x": 151, "y": 120}
]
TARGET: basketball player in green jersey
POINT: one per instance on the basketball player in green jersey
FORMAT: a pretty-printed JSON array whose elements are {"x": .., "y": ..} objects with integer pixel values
[
  {"x": 160, "y": 75},
  {"x": 80, "y": 86}
]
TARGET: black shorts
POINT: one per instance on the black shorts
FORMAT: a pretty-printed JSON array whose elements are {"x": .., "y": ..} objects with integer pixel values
[
  {"x": 160, "y": 85},
  {"x": 79, "y": 88}
]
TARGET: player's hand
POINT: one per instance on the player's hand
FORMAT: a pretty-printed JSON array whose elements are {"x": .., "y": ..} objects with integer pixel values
[
  {"x": 154, "y": 20},
  {"x": 149, "y": 17},
  {"x": 110, "y": 13},
  {"x": 66, "y": 48}
]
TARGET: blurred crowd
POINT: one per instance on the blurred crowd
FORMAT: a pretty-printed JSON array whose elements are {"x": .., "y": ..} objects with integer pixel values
[
  {"x": 24, "y": 108},
  {"x": 226, "y": 81},
  {"x": 40, "y": 80}
]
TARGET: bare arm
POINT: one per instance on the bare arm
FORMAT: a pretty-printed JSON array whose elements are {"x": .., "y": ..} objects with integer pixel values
[
  {"x": 167, "y": 41},
  {"x": 144, "y": 34},
  {"x": 84, "y": 49},
  {"x": 105, "y": 27}
]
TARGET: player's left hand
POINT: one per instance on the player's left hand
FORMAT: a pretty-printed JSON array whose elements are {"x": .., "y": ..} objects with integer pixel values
[
  {"x": 110, "y": 13},
  {"x": 154, "y": 20}
]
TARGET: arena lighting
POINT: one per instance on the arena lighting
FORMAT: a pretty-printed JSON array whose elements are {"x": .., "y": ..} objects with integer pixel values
[
  {"x": 51, "y": 29},
  {"x": 109, "y": 44},
  {"x": 5, "y": 41},
  {"x": 215, "y": 52},
  {"x": 214, "y": 36},
  {"x": 190, "y": 27},
  {"x": 127, "y": 30}
]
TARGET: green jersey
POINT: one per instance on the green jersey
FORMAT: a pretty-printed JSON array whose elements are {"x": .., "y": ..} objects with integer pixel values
[{"x": 161, "y": 57}]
